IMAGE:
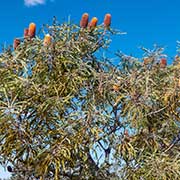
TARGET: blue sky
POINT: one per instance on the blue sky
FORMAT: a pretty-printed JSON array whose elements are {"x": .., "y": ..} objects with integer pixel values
[{"x": 146, "y": 21}]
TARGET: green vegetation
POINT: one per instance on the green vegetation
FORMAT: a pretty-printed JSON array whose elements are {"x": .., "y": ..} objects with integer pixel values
[{"x": 66, "y": 113}]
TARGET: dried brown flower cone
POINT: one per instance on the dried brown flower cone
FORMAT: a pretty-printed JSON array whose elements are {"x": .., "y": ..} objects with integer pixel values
[
  {"x": 163, "y": 63},
  {"x": 107, "y": 20},
  {"x": 16, "y": 43},
  {"x": 32, "y": 30},
  {"x": 26, "y": 32},
  {"x": 84, "y": 20}
]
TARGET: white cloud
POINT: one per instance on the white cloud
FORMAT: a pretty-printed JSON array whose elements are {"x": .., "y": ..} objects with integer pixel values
[{"x": 34, "y": 2}]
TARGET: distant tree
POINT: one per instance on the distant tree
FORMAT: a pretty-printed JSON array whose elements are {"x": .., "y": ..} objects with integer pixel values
[{"x": 67, "y": 113}]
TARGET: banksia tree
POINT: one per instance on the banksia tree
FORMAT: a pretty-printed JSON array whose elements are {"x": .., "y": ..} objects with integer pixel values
[
  {"x": 46, "y": 133},
  {"x": 66, "y": 113}
]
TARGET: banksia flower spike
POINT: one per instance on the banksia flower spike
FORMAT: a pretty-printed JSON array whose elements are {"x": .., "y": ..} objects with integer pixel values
[
  {"x": 148, "y": 60},
  {"x": 32, "y": 30},
  {"x": 126, "y": 133},
  {"x": 26, "y": 32},
  {"x": 116, "y": 87},
  {"x": 84, "y": 20},
  {"x": 163, "y": 63},
  {"x": 47, "y": 40},
  {"x": 16, "y": 43},
  {"x": 177, "y": 58},
  {"x": 93, "y": 23},
  {"x": 107, "y": 20}
]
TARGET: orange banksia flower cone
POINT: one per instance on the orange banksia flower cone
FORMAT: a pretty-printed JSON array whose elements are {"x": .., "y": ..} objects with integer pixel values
[
  {"x": 84, "y": 20},
  {"x": 107, "y": 20},
  {"x": 93, "y": 23},
  {"x": 163, "y": 63},
  {"x": 26, "y": 31},
  {"x": 116, "y": 87},
  {"x": 147, "y": 60},
  {"x": 16, "y": 43},
  {"x": 47, "y": 40},
  {"x": 32, "y": 30}
]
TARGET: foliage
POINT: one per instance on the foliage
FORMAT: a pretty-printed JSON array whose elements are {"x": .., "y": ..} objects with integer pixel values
[{"x": 67, "y": 113}]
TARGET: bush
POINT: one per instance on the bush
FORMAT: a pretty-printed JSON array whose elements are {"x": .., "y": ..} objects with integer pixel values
[{"x": 67, "y": 113}]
